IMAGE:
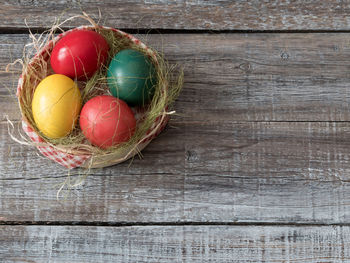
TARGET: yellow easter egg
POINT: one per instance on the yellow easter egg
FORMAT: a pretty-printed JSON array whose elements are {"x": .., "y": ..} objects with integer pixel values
[{"x": 56, "y": 105}]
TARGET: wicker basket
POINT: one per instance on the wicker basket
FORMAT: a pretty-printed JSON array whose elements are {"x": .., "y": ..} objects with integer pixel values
[{"x": 75, "y": 157}]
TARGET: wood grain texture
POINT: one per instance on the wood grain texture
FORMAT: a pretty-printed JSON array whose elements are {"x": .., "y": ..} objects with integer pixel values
[
  {"x": 240, "y": 77},
  {"x": 274, "y": 172},
  {"x": 165, "y": 244},
  {"x": 219, "y": 161},
  {"x": 261, "y": 137},
  {"x": 193, "y": 14}
]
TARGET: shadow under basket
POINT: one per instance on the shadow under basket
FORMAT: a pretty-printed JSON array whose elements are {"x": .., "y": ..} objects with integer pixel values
[{"x": 77, "y": 156}]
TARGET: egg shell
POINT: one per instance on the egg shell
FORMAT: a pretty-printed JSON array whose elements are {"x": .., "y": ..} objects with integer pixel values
[
  {"x": 56, "y": 105},
  {"x": 79, "y": 54},
  {"x": 131, "y": 77},
  {"x": 107, "y": 121}
]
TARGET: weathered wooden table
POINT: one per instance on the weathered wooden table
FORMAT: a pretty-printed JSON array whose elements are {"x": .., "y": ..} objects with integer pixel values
[{"x": 254, "y": 168}]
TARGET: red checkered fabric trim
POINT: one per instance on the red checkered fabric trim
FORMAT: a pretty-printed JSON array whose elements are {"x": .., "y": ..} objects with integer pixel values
[{"x": 68, "y": 160}]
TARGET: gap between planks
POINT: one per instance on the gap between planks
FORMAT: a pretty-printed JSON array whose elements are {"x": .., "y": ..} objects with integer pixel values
[{"x": 132, "y": 224}]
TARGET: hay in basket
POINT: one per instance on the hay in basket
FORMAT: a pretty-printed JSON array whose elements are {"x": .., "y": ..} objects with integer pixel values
[{"x": 74, "y": 150}]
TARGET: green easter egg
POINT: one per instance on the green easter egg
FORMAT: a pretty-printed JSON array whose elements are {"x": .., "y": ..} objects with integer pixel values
[{"x": 131, "y": 77}]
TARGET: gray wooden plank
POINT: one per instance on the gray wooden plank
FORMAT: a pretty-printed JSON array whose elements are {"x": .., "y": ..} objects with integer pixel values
[
  {"x": 199, "y": 14},
  {"x": 241, "y": 77},
  {"x": 174, "y": 244},
  {"x": 273, "y": 172}
]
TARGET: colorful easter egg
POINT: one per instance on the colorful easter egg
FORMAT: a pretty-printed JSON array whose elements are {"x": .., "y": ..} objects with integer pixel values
[
  {"x": 131, "y": 77},
  {"x": 79, "y": 54},
  {"x": 56, "y": 105},
  {"x": 107, "y": 121}
]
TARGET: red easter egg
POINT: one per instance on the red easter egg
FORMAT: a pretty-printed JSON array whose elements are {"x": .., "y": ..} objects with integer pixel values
[
  {"x": 107, "y": 121},
  {"x": 79, "y": 54}
]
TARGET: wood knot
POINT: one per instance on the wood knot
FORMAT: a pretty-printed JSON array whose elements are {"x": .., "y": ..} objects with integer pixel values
[
  {"x": 191, "y": 156},
  {"x": 246, "y": 67},
  {"x": 284, "y": 55}
]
